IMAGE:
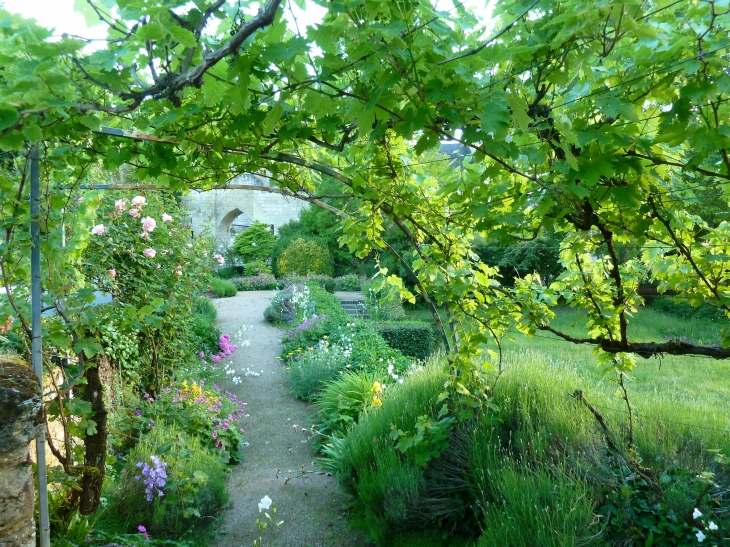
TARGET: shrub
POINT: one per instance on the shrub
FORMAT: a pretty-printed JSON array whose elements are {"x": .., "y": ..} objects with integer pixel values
[
  {"x": 222, "y": 288},
  {"x": 305, "y": 257},
  {"x": 227, "y": 272},
  {"x": 290, "y": 305},
  {"x": 256, "y": 268},
  {"x": 255, "y": 243},
  {"x": 189, "y": 487},
  {"x": 311, "y": 368},
  {"x": 260, "y": 282},
  {"x": 313, "y": 280},
  {"x": 349, "y": 282},
  {"x": 683, "y": 310},
  {"x": 412, "y": 338}
]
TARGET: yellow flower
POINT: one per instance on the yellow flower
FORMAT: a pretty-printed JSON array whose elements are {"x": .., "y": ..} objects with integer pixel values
[{"x": 278, "y": 356}]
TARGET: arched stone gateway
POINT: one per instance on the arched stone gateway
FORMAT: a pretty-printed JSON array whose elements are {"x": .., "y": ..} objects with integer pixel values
[{"x": 227, "y": 212}]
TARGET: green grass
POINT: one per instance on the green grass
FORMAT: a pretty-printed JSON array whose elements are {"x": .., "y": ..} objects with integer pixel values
[{"x": 681, "y": 388}]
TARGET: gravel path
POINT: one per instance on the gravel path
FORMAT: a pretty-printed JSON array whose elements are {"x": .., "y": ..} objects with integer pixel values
[{"x": 308, "y": 502}]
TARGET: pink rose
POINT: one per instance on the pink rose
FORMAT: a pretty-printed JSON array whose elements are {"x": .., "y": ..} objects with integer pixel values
[
  {"x": 220, "y": 259},
  {"x": 120, "y": 204},
  {"x": 166, "y": 217},
  {"x": 98, "y": 229},
  {"x": 148, "y": 224},
  {"x": 149, "y": 253},
  {"x": 134, "y": 213},
  {"x": 139, "y": 201},
  {"x": 159, "y": 266},
  {"x": 113, "y": 272}
]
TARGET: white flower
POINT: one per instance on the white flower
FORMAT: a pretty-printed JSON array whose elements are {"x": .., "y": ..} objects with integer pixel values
[
  {"x": 139, "y": 201},
  {"x": 166, "y": 217},
  {"x": 148, "y": 224},
  {"x": 696, "y": 514},
  {"x": 98, "y": 229},
  {"x": 712, "y": 526},
  {"x": 253, "y": 244},
  {"x": 265, "y": 503},
  {"x": 700, "y": 536},
  {"x": 120, "y": 204},
  {"x": 149, "y": 253}
]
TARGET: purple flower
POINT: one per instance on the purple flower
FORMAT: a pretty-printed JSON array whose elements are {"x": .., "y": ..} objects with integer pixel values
[{"x": 137, "y": 412}]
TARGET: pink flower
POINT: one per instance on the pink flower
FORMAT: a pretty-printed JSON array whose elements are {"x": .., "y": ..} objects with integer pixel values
[
  {"x": 159, "y": 266},
  {"x": 220, "y": 259},
  {"x": 139, "y": 201},
  {"x": 113, "y": 272},
  {"x": 98, "y": 229},
  {"x": 120, "y": 204},
  {"x": 134, "y": 213},
  {"x": 149, "y": 253},
  {"x": 166, "y": 217},
  {"x": 144, "y": 235},
  {"x": 148, "y": 224}
]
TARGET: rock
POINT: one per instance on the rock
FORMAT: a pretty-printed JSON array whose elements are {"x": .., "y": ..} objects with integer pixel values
[{"x": 21, "y": 420}]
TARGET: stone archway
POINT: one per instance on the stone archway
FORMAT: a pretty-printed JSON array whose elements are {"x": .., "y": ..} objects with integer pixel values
[
  {"x": 232, "y": 223},
  {"x": 219, "y": 210}
]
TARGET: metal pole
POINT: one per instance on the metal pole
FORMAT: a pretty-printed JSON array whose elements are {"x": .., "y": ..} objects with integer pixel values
[{"x": 36, "y": 348}]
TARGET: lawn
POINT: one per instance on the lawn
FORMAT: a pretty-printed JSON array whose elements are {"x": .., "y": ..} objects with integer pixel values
[{"x": 684, "y": 389}]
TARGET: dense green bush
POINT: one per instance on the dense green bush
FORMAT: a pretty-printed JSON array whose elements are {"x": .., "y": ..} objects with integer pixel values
[
  {"x": 256, "y": 268},
  {"x": 534, "y": 472},
  {"x": 304, "y": 257},
  {"x": 318, "y": 280},
  {"x": 203, "y": 326},
  {"x": 255, "y": 243},
  {"x": 541, "y": 255},
  {"x": 193, "y": 489},
  {"x": 222, "y": 288},
  {"x": 228, "y": 272},
  {"x": 683, "y": 310},
  {"x": 412, "y": 338}
]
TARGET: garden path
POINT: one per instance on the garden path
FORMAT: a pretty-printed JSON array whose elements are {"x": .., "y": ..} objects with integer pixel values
[{"x": 308, "y": 502}]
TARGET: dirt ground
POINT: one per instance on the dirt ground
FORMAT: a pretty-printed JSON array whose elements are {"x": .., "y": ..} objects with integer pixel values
[{"x": 307, "y": 500}]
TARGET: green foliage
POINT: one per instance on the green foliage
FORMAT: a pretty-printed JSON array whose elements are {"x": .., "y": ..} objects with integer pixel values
[
  {"x": 255, "y": 243},
  {"x": 310, "y": 370},
  {"x": 195, "y": 489},
  {"x": 203, "y": 327},
  {"x": 222, "y": 288},
  {"x": 543, "y": 506},
  {"x": 540, "y": 256},
  {"x": 256, "y": 268},
  {"x": 412, "y": 338},
  {"x": 228, "y": 272},
  {"x": 318, "y": 280},
  {"x": 304, "y": 257},
  {"x": 260, "y": 282},
  {"x": 683, "y": 310},
  {"x": 341, "y": 400}
]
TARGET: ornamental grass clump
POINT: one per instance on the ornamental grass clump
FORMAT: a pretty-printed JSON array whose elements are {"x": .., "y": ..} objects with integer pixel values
[{"x": 221, "y": 288}]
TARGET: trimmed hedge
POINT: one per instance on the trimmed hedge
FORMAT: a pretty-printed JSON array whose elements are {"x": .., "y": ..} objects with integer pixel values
[{"x": 412, "y": 338}]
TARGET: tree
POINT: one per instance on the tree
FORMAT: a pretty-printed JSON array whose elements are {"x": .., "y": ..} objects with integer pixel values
[
  {"x": 255, "y": 243},
  {"x": 585, "y": 119}
]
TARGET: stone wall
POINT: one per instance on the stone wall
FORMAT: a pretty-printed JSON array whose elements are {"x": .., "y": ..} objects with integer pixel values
[
  {"x": 21, "y": 420},
  {"x": 218, "y": 209}
]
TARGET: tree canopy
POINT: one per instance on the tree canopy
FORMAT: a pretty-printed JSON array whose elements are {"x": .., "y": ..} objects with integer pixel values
[{"x": 599, "y": 121}]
